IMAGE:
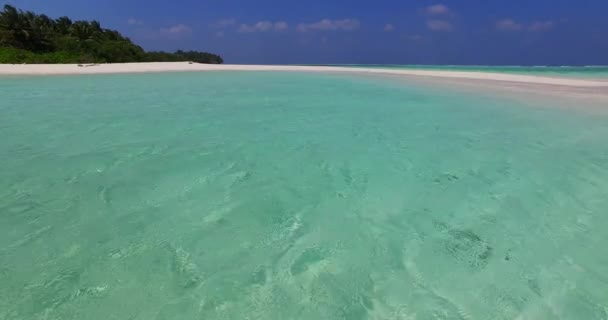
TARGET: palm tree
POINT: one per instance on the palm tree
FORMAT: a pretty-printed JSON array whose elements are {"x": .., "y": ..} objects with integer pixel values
[
  {"x": 113, "y": 35},
  {"x": 43, "y": 29},
  {"x": 62, "y": 25},
  {"x": 9, "y": 17},
  {"x": 30, "y": 37},
  {"x": 81, "y": 30},
  {"x": 95, "y": 26},
  {"x": 27, "y": 28},
  {"x": 13, "y": 26}
]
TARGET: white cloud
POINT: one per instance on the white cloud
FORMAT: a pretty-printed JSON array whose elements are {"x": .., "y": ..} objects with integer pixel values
[
  {"x": 176, "y": 31},
  {"x": 264, "y": 26},
  {"x": 414, "y": 37},
  {"x": 225, "y": 23},
  {"x": 437, "y": 9},
  {"x": 135, "y": 22},
  {"x": 281, "y": 25},
  {"x": 540, "y": 26},
  {"x": 389, "y": 27},
  {"x": 442, "y": 24},
  {"x": 512, "y": 25},
  {"x": 219, "y": 34},
  {"x": 261, "y": 26},
  {"x": 439, "y": 25},
  {"x": 331, "y": 25},
  {"x": 508, "y": 25}
]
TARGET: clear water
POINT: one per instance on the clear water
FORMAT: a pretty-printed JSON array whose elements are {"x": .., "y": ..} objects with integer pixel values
[
  {"x": 295, "y": 196},
  {"x": 596, "y": 72}
]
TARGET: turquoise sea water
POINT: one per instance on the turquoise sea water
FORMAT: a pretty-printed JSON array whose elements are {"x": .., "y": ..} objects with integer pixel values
[
  {"x": 597, "y": 72},
  {"x": 296, "y": 196}
]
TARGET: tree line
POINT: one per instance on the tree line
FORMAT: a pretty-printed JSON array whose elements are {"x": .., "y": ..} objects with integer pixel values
[{"x": 27, "y": 37}]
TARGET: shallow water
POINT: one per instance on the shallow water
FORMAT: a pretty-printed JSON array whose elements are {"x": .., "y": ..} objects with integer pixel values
[
  {"x": 253, "y": 195},
  {"x": 594, "y": 72}
]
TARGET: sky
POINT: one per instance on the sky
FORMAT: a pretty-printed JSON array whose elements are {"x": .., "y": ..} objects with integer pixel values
[{"x": 469, "y": 32}]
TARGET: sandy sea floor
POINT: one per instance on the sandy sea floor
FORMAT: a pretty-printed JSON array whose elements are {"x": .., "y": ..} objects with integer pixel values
[{"x": 300, "y": 195}]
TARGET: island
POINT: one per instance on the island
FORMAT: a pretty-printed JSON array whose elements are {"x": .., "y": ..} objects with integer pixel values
[{"x": 27, "y": 37}]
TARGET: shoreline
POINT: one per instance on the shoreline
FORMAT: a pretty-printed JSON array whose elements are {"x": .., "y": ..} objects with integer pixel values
[{"x": 155, "y": 67}]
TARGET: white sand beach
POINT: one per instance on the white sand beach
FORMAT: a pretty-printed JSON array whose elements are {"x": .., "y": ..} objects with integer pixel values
[
  {"x": 571, "y": 92},
  {"x": 66, "y": 69}
]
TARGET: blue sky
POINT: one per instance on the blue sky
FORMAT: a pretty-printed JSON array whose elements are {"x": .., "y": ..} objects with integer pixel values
[{"x": 521, "y": 32}]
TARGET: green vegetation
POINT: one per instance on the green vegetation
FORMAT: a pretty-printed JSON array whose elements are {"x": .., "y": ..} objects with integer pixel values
[{"x": 26, "y": 37}]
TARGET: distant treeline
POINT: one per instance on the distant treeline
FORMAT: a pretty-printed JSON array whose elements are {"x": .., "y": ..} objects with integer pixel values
[{"x": 26, "y": 37}]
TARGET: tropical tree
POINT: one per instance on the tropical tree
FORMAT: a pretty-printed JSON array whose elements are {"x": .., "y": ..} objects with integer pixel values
[
  {"x": 62, "y": 25},
  {"x": 12, "y": 29},
  {"x": 29, "y": 37}
]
